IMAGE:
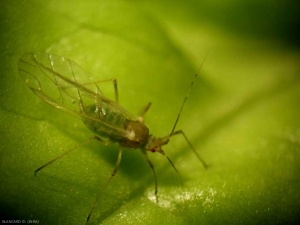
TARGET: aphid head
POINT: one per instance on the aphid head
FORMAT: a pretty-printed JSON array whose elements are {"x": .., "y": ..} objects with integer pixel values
[{"x": 154, "y": 144}]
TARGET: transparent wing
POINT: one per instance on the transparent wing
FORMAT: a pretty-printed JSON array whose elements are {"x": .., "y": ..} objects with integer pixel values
[{"x": 65, "y": 85}]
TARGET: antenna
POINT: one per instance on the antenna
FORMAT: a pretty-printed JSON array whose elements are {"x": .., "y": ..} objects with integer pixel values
[{"x": 187, "y": 95}]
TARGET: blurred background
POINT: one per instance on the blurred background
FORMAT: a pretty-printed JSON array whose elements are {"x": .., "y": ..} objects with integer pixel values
[{"x": 242, "y": 114}]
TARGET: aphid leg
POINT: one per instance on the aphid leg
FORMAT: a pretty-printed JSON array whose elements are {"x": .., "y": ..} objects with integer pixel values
[
  {"x": 98, "y": 89},
  {"x": 111, "y": 177},
  {"x": 152, "y": 167},
  {"x": 145, "y": 110},
  {"x": 116, "y": 90},
  {"x": 67, "y": 152},
  {"x": 102, "y": 141},
  {"x": 206, "y": 166},
  {"x": 172, "y": 164},
  {"x": 114, "y": 80}
]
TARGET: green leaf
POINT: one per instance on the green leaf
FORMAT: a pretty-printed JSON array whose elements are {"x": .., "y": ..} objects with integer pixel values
[{"x": 242, "y": 114}]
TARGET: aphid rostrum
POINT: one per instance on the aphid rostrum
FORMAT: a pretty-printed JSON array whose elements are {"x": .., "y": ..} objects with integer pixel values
[{"x": 64, "y": 85}]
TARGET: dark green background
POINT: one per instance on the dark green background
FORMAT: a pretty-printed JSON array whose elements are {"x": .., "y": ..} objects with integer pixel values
[{"x": 242, "y": 113}]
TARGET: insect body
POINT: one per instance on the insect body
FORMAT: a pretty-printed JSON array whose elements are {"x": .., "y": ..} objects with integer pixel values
[{"x": 63, "y": 84}]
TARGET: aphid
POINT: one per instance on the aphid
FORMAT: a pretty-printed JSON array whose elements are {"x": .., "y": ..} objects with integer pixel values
[{"x": 64, "y": 85}]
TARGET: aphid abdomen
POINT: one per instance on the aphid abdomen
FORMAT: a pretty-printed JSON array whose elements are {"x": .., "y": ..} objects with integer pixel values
[
  {"x": 115, "y": 125},
  {"x": 111, "y": 120}
]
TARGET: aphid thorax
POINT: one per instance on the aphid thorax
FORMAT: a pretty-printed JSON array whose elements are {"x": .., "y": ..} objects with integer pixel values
[
  {"x": 136, "y": 134},
  {"x": 139, "y": 137}
]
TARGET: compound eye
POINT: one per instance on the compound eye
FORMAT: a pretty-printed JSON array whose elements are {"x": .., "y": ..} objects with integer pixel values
[{"x": 152, "y": 150}]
